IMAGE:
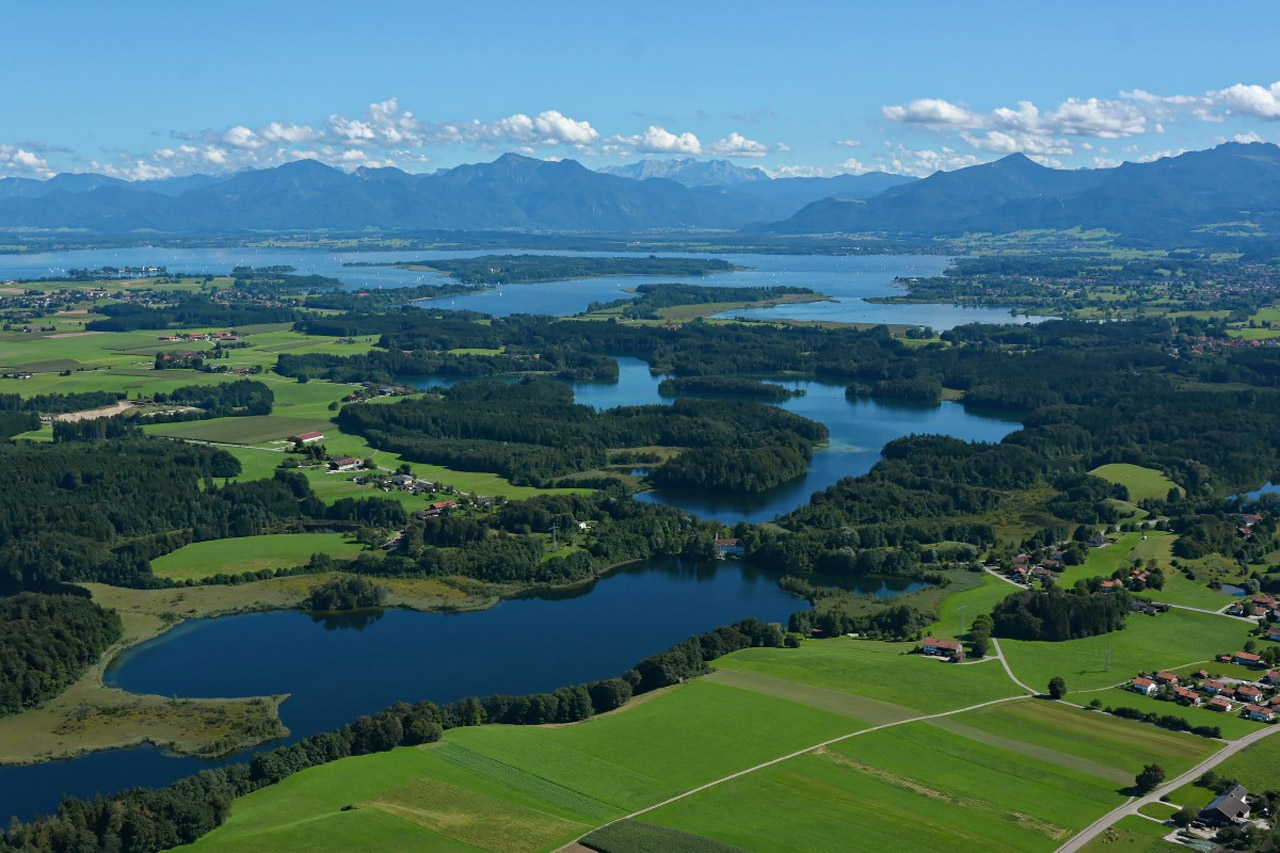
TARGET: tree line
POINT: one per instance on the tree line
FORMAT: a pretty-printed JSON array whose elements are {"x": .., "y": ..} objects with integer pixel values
[{"x": 47, "y": 642}]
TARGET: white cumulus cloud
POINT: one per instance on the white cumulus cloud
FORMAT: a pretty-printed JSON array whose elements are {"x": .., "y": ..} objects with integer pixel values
[
  {"x": 737, "y": 145},
  {"x": 16, "y": 161},
  {"x": 659, "y": 140},
  {"x": 1250, "y": 100}
]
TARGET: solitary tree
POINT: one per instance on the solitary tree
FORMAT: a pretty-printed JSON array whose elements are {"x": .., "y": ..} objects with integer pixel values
[
  {"x": 1150, "y": 778},
  {"x": 1057, "y": 687}
]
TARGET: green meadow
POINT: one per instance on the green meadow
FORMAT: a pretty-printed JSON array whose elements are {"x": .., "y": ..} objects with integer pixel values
[
  {"x": 879, "y": 671},
  {"x": 1134, "y": 835},
  {"x": 1020, "y": 774},
  {"x": 1142, "y": 483},
  {"x": 973, "y": 781},
  {"x": 1163, "y": 641},
  {"x": 250, "y": 554}
]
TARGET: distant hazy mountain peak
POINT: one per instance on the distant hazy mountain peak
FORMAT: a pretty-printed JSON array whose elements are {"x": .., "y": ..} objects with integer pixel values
[{"x": 689, "y": 171}]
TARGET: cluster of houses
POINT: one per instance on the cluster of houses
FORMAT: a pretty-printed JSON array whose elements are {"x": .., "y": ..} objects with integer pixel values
[
  {"x": 369, "y": 390},
  {"x": 952, "y": 650},
  {"x": 1259, "y": 701},
  {"x": 1247, "y": 522},
  {"x": 187, "y": 337},
  {"x": 1027, "y": 568},
  {"x": 1259, "y": 604}
]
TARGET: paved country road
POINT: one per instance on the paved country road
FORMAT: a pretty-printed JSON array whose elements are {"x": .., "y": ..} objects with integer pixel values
[{"x": 1131, "y": 807}]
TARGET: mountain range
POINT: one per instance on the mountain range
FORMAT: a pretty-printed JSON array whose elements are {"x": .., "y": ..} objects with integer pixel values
[
  {"x": 512, "y": 192},
  {"x": 1228, "y": 192}
]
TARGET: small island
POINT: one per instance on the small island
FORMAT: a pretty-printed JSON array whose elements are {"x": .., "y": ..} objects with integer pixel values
[
  {"x": 531, "y": 269},
  {"x": 681, "y": 385}
]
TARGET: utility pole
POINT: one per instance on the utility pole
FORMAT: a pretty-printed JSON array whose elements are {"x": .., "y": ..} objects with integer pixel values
[
  {"x": 555, "y": 539},
  {"x": 962, "y": 607},
  {"x": 1108, "y": 658}
]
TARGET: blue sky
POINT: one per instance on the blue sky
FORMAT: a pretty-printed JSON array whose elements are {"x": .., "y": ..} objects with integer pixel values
[{"x": 148, "y": 89}]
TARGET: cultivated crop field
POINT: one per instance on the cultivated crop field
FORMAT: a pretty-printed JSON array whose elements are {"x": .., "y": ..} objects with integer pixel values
[
  {"x": 972, "y": 781},
  {"x": 1017, "y": 774}
]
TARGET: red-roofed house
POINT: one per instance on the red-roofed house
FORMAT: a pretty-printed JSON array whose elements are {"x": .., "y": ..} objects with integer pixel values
[
  {"x": 1259, "y": 713},
  {"x": 1187, "y": 695},
  {"x": 1166, "y": 677},
  {"x": 1213, "y": 688},
  {"x": 942, "y": 648},
  {"x": 1246, "y": 659},
  {"x": 308, "y": 437},
  {"x": 1272, "y": 677},
  {"x": 1220, "y": 703},
  {"x": 1145, "y": 686},
  {"x": 1248, "y": 693}
]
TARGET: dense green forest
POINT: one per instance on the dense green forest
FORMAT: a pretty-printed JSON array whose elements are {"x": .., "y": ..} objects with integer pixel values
[
  {"x": 187, "y": 311},
  {"x": 1058, "y": 615},
  {"x": 532, "y": 433},
  {"x": 101, "y": 511},
  {"x": 727, "y": 385},
  {"x": 46, "y": 642},
  {"x": 243, "y": 397},
  {"x": 650, "y": 298},
  {"x": 522, "y": 269},
  {"x": 57, "y": 404},
  {"x": 389, "y": 367},
  {"x": 379, "y": 299},
  {"x": 345, "y": 594}
]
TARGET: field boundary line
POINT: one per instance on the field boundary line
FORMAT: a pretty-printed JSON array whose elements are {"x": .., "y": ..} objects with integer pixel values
[{"x": 796, "y": 754}]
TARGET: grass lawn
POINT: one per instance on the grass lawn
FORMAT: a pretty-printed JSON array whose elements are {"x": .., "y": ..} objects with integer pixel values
[
  {"x": 880, "y": 671},
  {"x": 256, "y": 429},
  {"x": 267, "y": 820},
  {"x": 953, "y": 792},
  {"x": 1178, "y": 588},
  {"x": 1133, "y": 835},
  {"x": 958, "y": 611},
  {"x": 512, "y": 788},
  {"x": 1102, "y": 562},
  {"x": 250, "y": 554},
  {"x": 1170, "y": 639},
  {"x": 1232, "y": 724},
  {"x": 1142, "y": 483}
]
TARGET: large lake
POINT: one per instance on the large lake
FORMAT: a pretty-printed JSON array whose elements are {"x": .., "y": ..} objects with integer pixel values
[
  {"x": 849, "y": 280},
  {"x": 339, "y": 670}
]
